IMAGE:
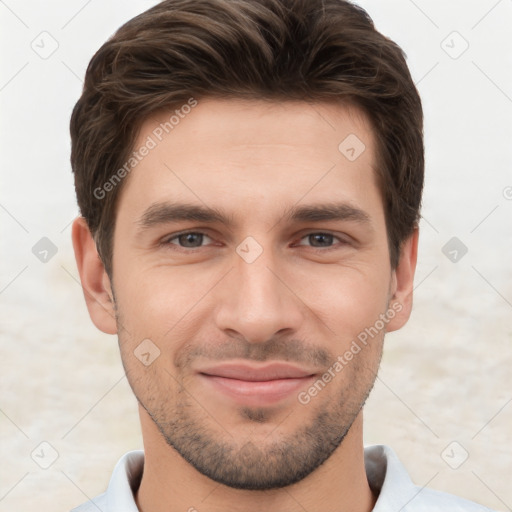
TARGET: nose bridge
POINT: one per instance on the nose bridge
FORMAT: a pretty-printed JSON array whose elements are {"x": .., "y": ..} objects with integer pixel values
[
  {"x": 257, "y": 284},
  {"x": 257, "y": 304}
]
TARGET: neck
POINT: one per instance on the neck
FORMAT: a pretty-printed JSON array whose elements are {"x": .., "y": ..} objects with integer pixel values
[{"x": 171, "y": 484}]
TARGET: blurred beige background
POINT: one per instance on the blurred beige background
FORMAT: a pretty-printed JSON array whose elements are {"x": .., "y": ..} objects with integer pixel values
[{"x": 445, "y": 386}]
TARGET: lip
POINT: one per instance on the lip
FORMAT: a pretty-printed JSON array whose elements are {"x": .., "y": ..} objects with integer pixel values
[
  {"x": 256, "y": 385},
  {"x": 260, "y": 373}
]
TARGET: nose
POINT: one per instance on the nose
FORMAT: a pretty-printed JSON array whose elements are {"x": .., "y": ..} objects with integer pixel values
[{"x": 257, "y": 302}]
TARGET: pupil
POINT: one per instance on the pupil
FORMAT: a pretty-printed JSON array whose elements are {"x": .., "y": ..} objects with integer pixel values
[
  {"x": 323, "y": 240},
  {"x": 188, "y": 239}
]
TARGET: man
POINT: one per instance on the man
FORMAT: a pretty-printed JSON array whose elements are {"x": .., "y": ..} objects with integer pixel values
[{"x": 249, "y": 174}]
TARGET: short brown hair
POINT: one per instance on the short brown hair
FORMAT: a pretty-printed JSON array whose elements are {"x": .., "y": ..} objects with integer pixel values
[{"x": 308, "y": 50}]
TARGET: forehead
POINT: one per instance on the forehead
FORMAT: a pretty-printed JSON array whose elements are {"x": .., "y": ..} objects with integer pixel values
[
  {"x": 217, "y": 122},
  {"x": 253, "y": 154}
]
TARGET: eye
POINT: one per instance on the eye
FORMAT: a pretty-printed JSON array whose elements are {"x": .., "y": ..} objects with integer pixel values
[
  {"x": 320, "y": 239},
  {"x": 191, "y": 239}
]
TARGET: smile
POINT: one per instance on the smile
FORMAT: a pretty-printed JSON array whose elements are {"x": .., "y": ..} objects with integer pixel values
[{"x": 256, "y": 385}]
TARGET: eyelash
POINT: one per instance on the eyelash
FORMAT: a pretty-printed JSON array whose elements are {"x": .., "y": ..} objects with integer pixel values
[{"x": 168, "y": 241}]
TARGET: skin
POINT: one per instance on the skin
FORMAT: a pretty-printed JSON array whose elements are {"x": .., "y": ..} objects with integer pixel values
[{"x": 304, "y": 299}]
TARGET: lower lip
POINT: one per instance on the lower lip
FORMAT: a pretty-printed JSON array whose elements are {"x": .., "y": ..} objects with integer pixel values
[{"x": 257, "y": 393}]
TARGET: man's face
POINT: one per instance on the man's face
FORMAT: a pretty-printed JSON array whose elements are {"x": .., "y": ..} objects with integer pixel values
[{"x": 249, "y": 310}]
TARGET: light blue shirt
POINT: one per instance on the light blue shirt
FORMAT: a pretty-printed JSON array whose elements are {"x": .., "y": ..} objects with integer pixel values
[{"x": 386, "y": 475}]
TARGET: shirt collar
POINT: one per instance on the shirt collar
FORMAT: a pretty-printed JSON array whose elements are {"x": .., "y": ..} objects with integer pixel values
[
  {"x": 124, "y": 482},
  {"x": 388, "y": 478},
  {"x": 386, "y": 475}
]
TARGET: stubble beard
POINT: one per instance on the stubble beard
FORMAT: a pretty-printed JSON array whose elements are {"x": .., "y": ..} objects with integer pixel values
[{"x": 260, "y": 462}]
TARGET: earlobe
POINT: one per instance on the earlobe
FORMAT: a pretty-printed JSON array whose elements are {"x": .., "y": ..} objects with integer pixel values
[
  {"x": 95, "y": 281},
  {"x": 403, "y": 283}
]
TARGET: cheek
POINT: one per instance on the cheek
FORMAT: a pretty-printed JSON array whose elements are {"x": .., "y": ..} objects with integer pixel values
[
  {"x": 346, "y": 299},
  {"x": 160, "y": 303}
]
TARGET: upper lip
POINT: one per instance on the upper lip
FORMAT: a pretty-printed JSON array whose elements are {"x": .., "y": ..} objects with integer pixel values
[{"x": 251, "y": 372}]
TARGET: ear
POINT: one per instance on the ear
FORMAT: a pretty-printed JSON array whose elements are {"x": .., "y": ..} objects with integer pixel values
[
  {"x": 95, "y": 281},
  {"x": 402, "y": 283}
]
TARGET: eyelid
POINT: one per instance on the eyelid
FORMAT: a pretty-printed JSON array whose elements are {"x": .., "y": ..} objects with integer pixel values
[
  {"x": 168, "y": 239},
  {"x": 341, "y": 239}
]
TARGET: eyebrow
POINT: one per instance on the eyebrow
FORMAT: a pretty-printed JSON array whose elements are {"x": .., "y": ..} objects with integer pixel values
[
  {"x": 165, "y": 212},
  {"x": 325, "y": 212}
]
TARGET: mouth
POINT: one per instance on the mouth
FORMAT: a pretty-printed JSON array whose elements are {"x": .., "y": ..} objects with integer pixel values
[{"x": 256, "y": 385}]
